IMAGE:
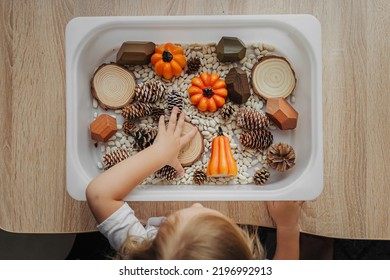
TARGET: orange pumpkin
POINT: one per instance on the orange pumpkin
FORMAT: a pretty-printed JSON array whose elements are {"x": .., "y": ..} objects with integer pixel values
[
  {"x": 208, "y": 92},
  {"x": 222, "y": 163},
  {"x": 168, "y": 60}
]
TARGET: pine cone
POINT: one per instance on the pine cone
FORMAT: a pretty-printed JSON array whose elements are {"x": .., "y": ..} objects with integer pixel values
[
  {"x": 175, "y": 99},
  {"x": 136, "y": 110},
  {"x": 166, "y": 173},
  {"x": 150, "y": 92},
  {"x": 281, "y": 156},
  {"x": 227, "y": 111},
  {"x": 199, "y": 177},
  {"x": 253, "y": 120},
  {"x": 144, "y": 137},
  {"x": 129, "y": 127},
  {"x": 257, "y": 139},
  {"x": 261, "y": 176},
  {"x": 114, "y": 157},
  {"x": 156, "y": 113},
  {"x": 193, "y": 65}
]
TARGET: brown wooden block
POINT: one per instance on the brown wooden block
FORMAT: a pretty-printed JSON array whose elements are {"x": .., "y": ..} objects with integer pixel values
[
  {"x": 230, "y": 49},
  {"x": 282, "y": 113},
  {"x": 103, "y": 128},
  {"x": 237, "y": 85},
  {"x": 135, "y": 53}
]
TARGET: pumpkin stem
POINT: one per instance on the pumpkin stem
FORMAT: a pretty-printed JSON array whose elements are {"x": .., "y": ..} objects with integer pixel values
[
  {"x": 220, "y": 132},
  {"x": 167, "y": 56},
  {"x": 208, "y": 92}
]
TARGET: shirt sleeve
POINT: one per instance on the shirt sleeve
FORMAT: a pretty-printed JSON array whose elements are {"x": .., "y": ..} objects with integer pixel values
[{"x": 121, "y": 224}]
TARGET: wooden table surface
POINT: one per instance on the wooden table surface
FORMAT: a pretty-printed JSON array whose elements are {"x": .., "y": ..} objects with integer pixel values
[{"x": 356, "y": 83}]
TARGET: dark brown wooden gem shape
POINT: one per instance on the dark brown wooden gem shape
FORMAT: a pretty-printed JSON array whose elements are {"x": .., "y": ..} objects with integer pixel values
[
  {"x": 230, "y": 49},
  {"x": 135, "y": 53},
  {"x": 237, "y": 85}
]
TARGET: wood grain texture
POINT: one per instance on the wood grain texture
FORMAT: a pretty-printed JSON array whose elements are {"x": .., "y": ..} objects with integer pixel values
[
  {"x": 355, "y": 97},
  {"x": 6, "y": 15}
]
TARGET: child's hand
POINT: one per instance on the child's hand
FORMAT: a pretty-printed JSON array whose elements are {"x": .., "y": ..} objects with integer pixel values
[
  {"x": 285, "y": 214},
  {"x": 169, "y": 141}
]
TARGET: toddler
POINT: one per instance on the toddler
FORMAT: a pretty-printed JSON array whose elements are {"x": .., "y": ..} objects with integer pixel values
[{"x": 195, "y": 232}]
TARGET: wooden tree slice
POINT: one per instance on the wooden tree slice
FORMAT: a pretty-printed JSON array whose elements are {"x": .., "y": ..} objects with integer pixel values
[
  {"x": 113, "y": 86},
  {"x": 190, "y": 153},
  {"x": 272, "y": 76}
]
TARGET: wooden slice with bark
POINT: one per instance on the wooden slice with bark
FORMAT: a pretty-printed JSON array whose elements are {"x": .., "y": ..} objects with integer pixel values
[
  {"x": 191, "y": 153},
  {"x": 272, "y": 76},
  {"x": 113, "y": 86}
]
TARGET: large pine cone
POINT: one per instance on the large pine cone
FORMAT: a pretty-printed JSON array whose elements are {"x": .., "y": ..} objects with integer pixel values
[
  {"x": 261, "y": 176},
  {"x": 144, "y": 137},
  {"x": 167, "y": 173},
  {"x": 150, "y": 92},
  {"x": 257, "y": 139},
  {"x": 114, "y": 157},
  {"x": 253, "y": 120},
  {"x": 193, "y": 64},
  {"x": 227, "y": 111},
  {"x": 175, "y": 99},
  {"x": 137, "y": 110},
  {"x": 199, "y": 177},
  {"x": 281, "y": 156}
]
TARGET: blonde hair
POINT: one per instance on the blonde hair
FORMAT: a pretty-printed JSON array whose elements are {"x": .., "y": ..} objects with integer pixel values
[{"x": 204, "y": 237}]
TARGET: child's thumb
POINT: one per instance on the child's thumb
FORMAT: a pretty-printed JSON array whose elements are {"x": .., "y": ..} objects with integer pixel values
[{"x": 179, "y": 168}]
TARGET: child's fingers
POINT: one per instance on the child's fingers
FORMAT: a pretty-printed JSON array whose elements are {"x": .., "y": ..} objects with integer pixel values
[
  {"x": 179, "y": 168},
  {"x": 180, "y": 125},
  {"x": 172, "y": 119},
  {"x": 161, "y": 123},
  {"x": 188, "y": 136}
]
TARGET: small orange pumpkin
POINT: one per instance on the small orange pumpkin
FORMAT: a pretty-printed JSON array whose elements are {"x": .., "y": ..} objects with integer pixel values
[
  {"x": 208, "y": 92},
  {"x": 222, "y": 163},
  {"x": 168, "y": 60}
]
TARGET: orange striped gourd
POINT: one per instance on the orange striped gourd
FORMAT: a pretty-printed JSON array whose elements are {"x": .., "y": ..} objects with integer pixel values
[{"x": 222, "y": 163}]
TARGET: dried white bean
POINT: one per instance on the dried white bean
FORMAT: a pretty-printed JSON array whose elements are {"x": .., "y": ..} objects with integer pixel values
[
  {"x": 99, "y": 165},
  {"x": 246, "y": 162},
  {"x": 242, "y": 61},
  {"x": 94, "y": 103},
  {"x": 293, "y": 99},
  {"x": 249, "y": 65}
]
